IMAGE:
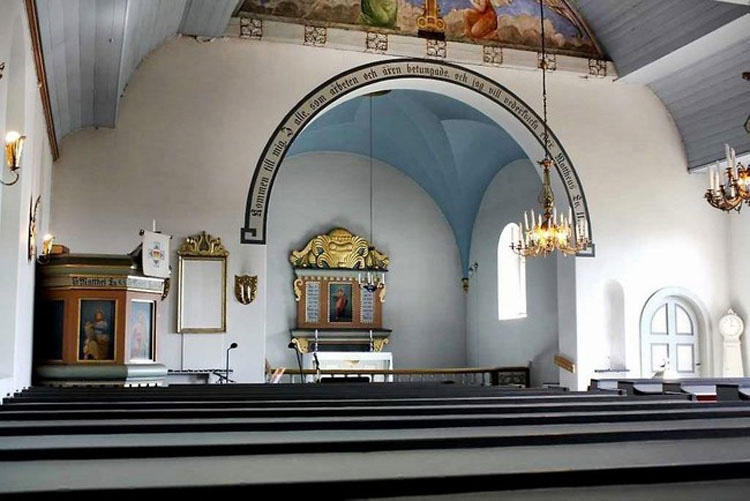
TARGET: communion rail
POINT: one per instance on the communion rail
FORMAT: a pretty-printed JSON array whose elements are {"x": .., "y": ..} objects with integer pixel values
[{"x": 485, "y": 376}]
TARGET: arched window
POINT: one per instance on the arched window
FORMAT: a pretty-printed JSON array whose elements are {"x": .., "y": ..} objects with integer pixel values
[{"x": 511, "y": 276}]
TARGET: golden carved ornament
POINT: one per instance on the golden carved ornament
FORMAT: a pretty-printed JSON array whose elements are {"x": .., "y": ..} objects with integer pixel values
[
  {"x": 379, "y": 343},
  {"x": 301, "y": 344},
  {"x": 383, "y": 288},
  {"x": 339, "y": 249},
  {"x": 245, "y": 288},
  {"x": 298, "y": 290},
  {"x": 202, "y": 244}
]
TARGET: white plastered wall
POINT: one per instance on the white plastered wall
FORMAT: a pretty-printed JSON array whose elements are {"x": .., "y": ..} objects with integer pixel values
[
  {"x": 740, "y": 276},
  {"x": 195, "y": 118},
  {"x": 493, "y": 342},
  {"x": 20, "y": 110}
]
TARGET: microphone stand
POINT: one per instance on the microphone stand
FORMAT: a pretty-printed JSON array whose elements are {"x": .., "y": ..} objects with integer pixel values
[
  {"x": 293, "y": 346},
  {"x": 226, "y": 370},
  {"x": 317, "y": 367}
]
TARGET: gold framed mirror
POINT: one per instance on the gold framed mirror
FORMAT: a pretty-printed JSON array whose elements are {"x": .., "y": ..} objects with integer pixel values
[{"x": 202, "y": 291}]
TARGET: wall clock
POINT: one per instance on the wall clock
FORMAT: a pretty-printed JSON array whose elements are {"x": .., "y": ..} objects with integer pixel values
[{"x": 731, "y": 325}]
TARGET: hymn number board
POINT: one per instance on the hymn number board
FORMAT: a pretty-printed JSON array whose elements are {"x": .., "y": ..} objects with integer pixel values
[{"x": 327, "y": 289}]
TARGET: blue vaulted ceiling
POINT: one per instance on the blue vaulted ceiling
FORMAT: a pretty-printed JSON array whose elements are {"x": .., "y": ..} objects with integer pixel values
[{"x": 449, "y": 148}]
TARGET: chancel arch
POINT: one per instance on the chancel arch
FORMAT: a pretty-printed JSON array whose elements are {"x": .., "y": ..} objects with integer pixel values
[
  {"x": 440, "y": 166},
  {"x": 516, "y": 117}
]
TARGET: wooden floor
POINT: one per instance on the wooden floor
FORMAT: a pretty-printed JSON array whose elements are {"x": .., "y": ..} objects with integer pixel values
[{"x": 371, "y": 441}]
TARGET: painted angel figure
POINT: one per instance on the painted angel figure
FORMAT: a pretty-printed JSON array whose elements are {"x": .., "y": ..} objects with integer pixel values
[
  {"x": 380, "y": 13},
  {"x": 480, "y": 20}
]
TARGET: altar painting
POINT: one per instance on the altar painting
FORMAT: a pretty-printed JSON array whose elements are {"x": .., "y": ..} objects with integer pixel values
[
  {"x": 340, "y": 302},
  {"x": 512, "y": 23}
]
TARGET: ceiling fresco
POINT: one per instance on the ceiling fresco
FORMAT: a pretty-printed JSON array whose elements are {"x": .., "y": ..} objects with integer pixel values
[{"x": 511, "y": 23}]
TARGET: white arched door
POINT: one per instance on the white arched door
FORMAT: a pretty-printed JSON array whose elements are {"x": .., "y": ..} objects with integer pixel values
[{"x": 670, "y": 339}]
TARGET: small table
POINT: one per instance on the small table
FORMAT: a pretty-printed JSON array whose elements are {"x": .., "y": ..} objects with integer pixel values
[{"x": 351, "y": 361}]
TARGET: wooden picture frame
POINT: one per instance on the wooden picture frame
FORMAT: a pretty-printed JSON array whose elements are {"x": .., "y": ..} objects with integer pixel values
[
  {"x": 202, "y": 262},
  {"x": 317, "y": 298}
]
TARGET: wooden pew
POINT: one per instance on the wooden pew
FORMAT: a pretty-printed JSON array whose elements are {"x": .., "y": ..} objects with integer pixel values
[
  {"x": 704, "y": 389},
  {"x": 361, "y": 440},
  {"x": 732, "y": 391}
]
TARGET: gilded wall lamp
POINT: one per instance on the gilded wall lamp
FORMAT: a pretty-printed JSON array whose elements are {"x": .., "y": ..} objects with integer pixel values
[
  {"x": 245, "y": 288},
  {"x": 47, "y": 244},
  {"x": 13, "y": 149}
]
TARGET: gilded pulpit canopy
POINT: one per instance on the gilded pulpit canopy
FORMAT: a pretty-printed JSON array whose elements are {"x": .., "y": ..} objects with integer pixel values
[{"x": 339, "y": 249}]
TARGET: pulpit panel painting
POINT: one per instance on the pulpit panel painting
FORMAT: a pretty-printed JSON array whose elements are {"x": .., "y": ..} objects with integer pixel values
[
  {"x": 140, "y": 337},
  {"x": 505, "y": 22},
  {"x": 96, "y": 340}
]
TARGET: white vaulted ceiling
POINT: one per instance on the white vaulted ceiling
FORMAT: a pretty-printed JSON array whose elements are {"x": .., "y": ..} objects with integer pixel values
[{"x": 92, "y": 47}]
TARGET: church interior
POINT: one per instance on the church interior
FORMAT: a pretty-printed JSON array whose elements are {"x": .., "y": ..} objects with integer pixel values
[{"x": 460, "y": 249}]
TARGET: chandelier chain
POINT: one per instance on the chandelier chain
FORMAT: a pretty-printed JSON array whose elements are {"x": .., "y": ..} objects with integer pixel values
[
  {"x": 371, "y": 169},
  {"x": 546, "y": 234},
  {"x": 544, "y": 81}
]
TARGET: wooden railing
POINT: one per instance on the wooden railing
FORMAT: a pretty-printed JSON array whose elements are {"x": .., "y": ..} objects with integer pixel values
[{"x": 487, "y": 376}]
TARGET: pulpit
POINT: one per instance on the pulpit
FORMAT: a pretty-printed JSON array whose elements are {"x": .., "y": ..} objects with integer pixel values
[{"x": 96, "y": 322}]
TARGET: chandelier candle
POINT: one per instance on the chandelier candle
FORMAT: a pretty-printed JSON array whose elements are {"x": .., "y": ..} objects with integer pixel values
[{"x": 729, "y": 196}]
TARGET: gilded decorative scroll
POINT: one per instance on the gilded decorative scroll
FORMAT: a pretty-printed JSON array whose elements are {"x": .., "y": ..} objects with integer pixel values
[
  {"x": 383, "y": 288},
  {"x": 339, "y": 249},
  {"x": 301, "y": 344},
  {"x": 379, "y": 343},
  {"x": 202, "y": 244}
]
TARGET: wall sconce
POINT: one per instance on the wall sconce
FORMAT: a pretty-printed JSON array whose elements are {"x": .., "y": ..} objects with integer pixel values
[
  {"x": 473, "y": 269},
  {"x": 245, "y": 288},
  {"x": 13, "y": 150},
  {"x": 47, "y": 245},
  {"x": 465, "y": 281}
]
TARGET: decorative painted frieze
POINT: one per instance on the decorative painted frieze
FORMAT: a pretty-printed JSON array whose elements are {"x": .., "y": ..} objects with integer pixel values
[
  {"x": 251, "y": 28},
  {"x": 492, "y": 55},
  {"x": 549, "y": 59},
  {"x": 376, "y": 42},
  {"x": 317, "y": 36},
  {"x": 598, "y": 68},
  {"x": 436, "y": 49}
]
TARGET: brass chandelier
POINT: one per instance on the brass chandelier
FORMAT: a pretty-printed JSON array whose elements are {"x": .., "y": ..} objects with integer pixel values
[
  {"x": 729, "y": 195},
  {"x": 548, "y": 234}
]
